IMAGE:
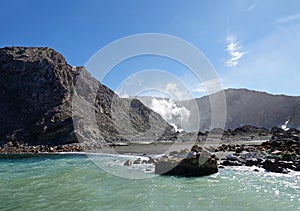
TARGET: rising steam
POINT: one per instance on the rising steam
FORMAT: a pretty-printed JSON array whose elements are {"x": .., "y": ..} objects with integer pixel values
[{"x": 169, "y": 110}]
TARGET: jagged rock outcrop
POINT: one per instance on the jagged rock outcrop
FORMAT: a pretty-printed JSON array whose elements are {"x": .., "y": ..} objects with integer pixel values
[{"x": 37, "y": 103}]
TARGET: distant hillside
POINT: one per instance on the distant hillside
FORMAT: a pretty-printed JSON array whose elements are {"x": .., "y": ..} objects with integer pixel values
[{"x": 244, "y": 107}]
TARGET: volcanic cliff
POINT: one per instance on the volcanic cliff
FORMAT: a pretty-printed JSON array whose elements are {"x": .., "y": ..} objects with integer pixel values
[{"x": 37, "y": 89}]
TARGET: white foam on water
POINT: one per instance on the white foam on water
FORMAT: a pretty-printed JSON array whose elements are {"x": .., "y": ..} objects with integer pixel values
[{"x": 262, "y": 170}]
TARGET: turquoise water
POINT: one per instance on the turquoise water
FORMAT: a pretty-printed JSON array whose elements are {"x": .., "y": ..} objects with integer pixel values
[{"x": 74, "y": 182}]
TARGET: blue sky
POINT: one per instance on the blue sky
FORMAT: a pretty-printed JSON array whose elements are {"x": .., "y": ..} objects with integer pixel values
[{"x": 251, "y": 44}]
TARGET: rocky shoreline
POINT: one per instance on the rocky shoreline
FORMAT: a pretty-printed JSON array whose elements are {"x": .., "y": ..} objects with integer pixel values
[
  {"x": 280, "y": 154},
  {"x": 18, "y": 148}
]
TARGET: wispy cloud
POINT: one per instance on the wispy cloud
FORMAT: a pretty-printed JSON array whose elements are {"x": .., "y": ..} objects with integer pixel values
[
  {"x": 210, "y": 85},
  {"x": 251, "y": 7},
  {"x": 176, "y": 90},
  {"x": 234, "y": 49},
  {"x": 272, "y": 64},
  {"x": 288, "y": 19}
]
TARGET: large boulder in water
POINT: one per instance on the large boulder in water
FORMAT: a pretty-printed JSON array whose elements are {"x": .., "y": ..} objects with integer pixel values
[{"x": 188, "y": 167}]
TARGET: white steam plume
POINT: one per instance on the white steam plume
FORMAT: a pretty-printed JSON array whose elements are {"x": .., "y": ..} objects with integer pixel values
[{"x": 177, "y": 116}]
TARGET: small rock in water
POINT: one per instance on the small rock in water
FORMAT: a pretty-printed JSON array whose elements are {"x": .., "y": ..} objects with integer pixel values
[
  {"x": 231, "y": 163},
  {"x": 138, "y": 161},
  {"x": 270, "y": 165},
  {"x": 128, "y": 163},
  {"x": 152, "y": 161}
]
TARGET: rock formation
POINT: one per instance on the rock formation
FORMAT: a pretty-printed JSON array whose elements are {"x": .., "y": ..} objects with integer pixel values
[
  {"x": 37, "y": 89},
  {"x": 280, "y": 154},
  {"x": 188, "y": 167},
  {"x": 195, "y": 162}
]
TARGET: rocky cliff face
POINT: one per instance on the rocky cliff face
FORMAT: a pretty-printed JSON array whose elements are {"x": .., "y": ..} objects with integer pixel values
[{"x": 37, "y": 103}]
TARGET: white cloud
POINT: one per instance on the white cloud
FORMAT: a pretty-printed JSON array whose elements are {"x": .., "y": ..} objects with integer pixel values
[
  {"x": 234, "y": 49},
  {"x": 288, "y": 19}
]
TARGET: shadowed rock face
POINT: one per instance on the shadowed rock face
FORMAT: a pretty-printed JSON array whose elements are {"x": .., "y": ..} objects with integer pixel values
[{"x": 36, "y": 91}]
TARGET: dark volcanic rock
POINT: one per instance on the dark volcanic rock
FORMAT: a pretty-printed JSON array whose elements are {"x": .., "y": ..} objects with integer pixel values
[
  {"x": 280, "y": 154},
  {"x": 231, "y": 163},
  {"x": 276, "y": 166},
  {"x": 286, "y": 164},
  {"x": 35, "y": 92},
  {"x": 248, "y": 129},
  {"x": 187, "y": 167},
  {"x": 251, "y": 162},
  {"x": 281, "y": 170},
  {"x": 128, "y": 163},
  {"x": 270, "y": 165},
  {"x": 37, "y": 89}
]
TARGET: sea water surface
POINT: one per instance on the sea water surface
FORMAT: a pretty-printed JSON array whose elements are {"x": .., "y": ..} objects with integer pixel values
[{"x": 74, "y": 182}]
